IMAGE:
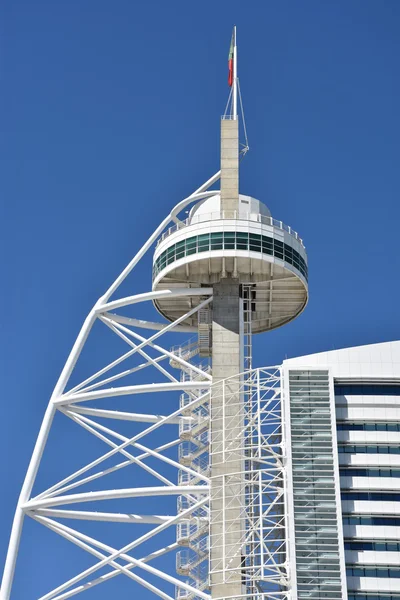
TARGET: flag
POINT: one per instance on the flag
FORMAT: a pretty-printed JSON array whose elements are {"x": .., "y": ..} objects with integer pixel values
[{"x": 230, "y": 61}]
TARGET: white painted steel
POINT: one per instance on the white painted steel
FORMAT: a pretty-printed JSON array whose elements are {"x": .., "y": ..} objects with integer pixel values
[
  {"x": 70, "y": 400},
  {"x": 260, "y": 562},
  {"x": 234, "y": 101},
  {"x": 263, "y": 477},
  {"x": 186, "y": 452}
]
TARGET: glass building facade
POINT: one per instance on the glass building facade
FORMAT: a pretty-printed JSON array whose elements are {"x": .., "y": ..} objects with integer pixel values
[
  {"x": 316, "y": 531},
  {"x": 354, "y": 440}
]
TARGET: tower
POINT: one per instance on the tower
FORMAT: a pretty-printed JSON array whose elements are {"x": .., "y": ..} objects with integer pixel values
[{"x": 227, "y": 271}]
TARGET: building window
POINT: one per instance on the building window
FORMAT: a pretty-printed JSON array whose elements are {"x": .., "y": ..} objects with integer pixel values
[
  {"x": 231, "y": 240},
  {"x": 371, "y": 520},
  {"x": 370, "y": 449},
  {"x": 367, "y": 390},
  {"x": 353, "y": 595},
  {"x": 367, "y": 472},
  {"x": 371, "y": 496},
  {"x": 386, "y": 572},
  {"x": 381, "y": 546},
  {"x": 368, "y": 426}
]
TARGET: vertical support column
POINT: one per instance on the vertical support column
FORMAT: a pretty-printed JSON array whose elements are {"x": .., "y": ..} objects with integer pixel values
[
  {"x": 227, "y": 407},
  {"x": 229, "y": 168},
  {"x": 227, "y": 481}
]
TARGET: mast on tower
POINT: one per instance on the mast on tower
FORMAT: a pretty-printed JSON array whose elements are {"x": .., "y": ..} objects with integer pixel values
[
  {"x": 232, "y": 72},
  {"x": 230, "y": 143}
]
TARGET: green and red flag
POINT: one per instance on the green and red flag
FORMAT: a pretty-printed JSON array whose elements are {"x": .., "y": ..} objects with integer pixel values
[{"x": 230, "y": 60}]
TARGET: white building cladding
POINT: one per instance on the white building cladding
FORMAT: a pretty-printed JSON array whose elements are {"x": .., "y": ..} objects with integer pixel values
[{"x": 351, "y": 398}]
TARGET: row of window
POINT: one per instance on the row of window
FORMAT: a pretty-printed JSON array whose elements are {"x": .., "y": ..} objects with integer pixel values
[
  {"x": 371, "y": 520},
  {"x": 374, "y": 546},
  {"x": 358, "y": 449},
  {"x": 230, "y": 240},
  {"x": 372, "y": 496},
  {"x": 367, "y": 390},
  {"x": 360, "y": 596},
  {"x": 369, "y": 472},
  {"x": 345, "y": 426},
  {"x": 386, "y": 572}
]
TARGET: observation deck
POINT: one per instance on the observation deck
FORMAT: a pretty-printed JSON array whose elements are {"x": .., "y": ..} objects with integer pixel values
[{"x": 249, "y": 246}]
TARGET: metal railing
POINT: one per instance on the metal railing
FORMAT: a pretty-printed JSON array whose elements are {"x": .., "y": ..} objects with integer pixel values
[
  {"x": 186, "y": 348},
  {"x": 191, "y": 375},
  {"x": 191, "y": 427},
  {"x": 237, "y": 216},
  {"x": 190, "y": 530},
  {"x": 185, "y": 478},
  {"x": 182, "y": 594}
]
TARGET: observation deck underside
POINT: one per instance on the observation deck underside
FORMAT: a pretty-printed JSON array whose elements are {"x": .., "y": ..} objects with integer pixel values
[{"x": 279, "y": 295}]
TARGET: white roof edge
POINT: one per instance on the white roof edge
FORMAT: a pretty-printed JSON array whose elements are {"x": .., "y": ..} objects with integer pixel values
[{"x": 372, "y": 361}]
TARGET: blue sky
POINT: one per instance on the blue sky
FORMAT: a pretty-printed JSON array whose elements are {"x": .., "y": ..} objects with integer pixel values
[{"x": 110, "y": 115}]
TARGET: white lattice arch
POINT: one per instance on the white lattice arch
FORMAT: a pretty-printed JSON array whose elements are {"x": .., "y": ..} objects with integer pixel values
[{"x": 91, "y": 405}]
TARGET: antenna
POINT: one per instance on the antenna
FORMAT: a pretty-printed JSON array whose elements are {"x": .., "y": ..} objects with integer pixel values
[
  {"x": 234, "y": 101},
  {"x": 231, "y": 108}
]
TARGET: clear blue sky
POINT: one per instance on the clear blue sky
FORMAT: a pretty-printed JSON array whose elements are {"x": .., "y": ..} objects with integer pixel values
[{"x": 110, "y": 115}]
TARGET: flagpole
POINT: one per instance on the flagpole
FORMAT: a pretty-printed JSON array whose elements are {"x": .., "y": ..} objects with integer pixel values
[{"x": 234, "y": 99}]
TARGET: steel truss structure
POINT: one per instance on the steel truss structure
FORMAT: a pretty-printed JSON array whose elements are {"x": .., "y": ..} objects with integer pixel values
[
  {"x": 261, "y": 484},
  {"x": 177, "y": 467}
]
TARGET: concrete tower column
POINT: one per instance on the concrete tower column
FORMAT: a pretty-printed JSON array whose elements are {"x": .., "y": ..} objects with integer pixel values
[
  {"x": 229, "y": 167},
  {"x": 226, "y": 407}
]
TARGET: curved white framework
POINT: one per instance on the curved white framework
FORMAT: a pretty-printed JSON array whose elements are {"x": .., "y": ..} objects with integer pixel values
[
  {"x": 192, "y": 490},
  {"x": 67, "y": 401}
]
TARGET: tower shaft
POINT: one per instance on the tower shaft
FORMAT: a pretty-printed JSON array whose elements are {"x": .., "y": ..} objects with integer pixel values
[
  {"x": 229, "y": 168},
  {"x": 226, "y": 443},
  {"x": 226, "y": 409}
]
